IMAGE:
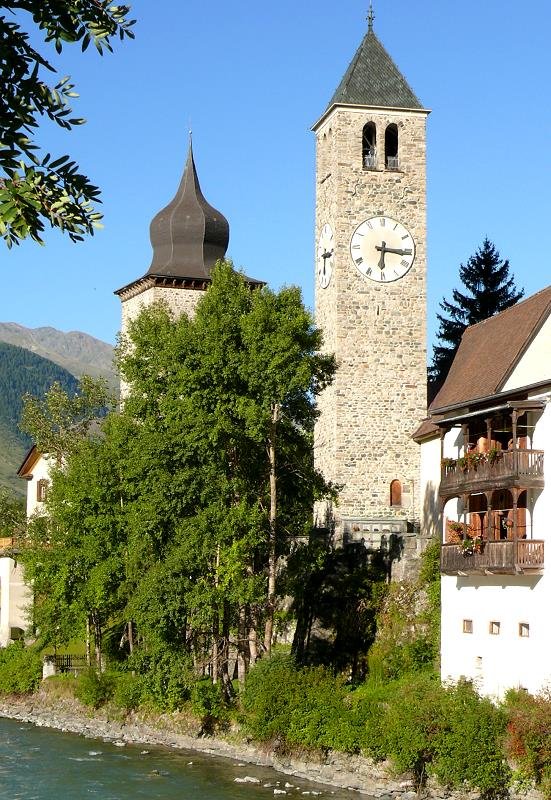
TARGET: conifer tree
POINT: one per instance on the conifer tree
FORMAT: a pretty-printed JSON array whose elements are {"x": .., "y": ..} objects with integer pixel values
[{"x": 490, "y": 289}]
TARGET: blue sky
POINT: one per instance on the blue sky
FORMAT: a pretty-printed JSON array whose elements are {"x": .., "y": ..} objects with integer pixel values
[{"x": 251, "y": 79}]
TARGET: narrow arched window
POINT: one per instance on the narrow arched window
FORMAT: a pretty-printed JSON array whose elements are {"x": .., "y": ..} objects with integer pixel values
[
  {"x": 391, "y": 147},
  {"x": 396, "y": 493},
  {"x": 369, "y": 146}
]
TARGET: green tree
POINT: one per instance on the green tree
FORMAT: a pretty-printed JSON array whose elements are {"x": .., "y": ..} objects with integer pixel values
[
  {"x": 61, "y": 419},
  {"x": 34, "y": 187},
  {"x": 12, "y": 515},
  {"x": 226, "y": 405},
  {"x": 77, "y": 554},
  {"x": 490, "y": 288}
]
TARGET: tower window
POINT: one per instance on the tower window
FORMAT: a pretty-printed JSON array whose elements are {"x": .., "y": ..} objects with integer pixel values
[
  {"x": 391, "y": 147},
  {"x": 369, "y": 146},
  {"x": 467, "y": 626},
  {"x": 395, "y": 493},
  {"x": 495, "y": 628},
  {"x": 524, "y": 629}
]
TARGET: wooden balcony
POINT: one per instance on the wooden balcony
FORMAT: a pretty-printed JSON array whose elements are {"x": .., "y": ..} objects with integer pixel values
[
  {"x": 520, "y": 468},
  {"x": 9, "y": 545},
  {"x": 508, "y": 557}
]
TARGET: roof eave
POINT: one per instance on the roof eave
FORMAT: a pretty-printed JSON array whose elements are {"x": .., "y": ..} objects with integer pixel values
[
  {"x": 328, "y": 111},
  {"x": 490, "y": 398}
]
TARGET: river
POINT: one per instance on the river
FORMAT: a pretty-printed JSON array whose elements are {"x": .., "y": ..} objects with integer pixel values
[{"x": 44, "y": 764}]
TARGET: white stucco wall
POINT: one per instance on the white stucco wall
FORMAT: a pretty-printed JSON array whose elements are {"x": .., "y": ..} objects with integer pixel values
[
  {"x": 497, "y": 662},
  {"x": 431, "y": 524},
  {"x": 535, "y": 365},
  {"x": 15, "y": 598},
  {"x": 40, "y": 472}
]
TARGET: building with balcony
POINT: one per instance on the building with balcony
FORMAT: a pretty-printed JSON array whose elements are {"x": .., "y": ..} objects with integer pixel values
[{"x": 485, "y": 493}]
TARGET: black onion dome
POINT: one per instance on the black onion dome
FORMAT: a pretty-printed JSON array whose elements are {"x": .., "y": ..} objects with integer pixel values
[{"x": 188, "y": 236}]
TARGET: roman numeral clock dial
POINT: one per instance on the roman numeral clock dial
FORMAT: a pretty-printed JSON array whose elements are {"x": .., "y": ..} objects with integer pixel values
[
  {"x": 326, "y": 246},
  {"x": 382, "y": 249}
]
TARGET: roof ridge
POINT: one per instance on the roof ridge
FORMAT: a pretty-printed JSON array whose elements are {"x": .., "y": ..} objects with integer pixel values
[{"x": 516, "y": 305}]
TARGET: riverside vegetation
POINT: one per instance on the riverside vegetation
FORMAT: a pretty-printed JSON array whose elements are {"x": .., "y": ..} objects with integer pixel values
[{"x": 177, "y": 548}]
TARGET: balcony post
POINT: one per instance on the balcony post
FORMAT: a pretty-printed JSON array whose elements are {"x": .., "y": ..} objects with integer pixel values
[
  {"x": 514, "y": 417},
  {"x": 465, "y": 434},
  {"x": 489, "y": 433},
  {"x": 489, "y": 528}
]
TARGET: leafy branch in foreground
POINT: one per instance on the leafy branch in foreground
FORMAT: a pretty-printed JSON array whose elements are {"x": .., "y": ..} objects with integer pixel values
[{"x": 35, "y": 188}]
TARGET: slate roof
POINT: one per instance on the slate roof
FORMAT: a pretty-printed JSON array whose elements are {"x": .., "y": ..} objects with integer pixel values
[
  {"x": 490, "y": 350},
  {"x": 373, "y": 79}
]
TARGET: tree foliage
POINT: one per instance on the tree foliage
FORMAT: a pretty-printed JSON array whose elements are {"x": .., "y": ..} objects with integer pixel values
[
  {"x": 490, "y": 288},
  {"x": 35, "y": 187},
  {"x": 161, "y": 532}
]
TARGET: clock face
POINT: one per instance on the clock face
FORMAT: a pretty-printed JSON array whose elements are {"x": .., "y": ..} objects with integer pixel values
[
  {"x": 382, "y": 249},
  {"x": 324, "y": 260}
]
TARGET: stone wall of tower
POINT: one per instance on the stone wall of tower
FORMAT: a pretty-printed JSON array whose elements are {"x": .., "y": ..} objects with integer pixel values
[
  {"x": 179, "y": 301},
  {"x": 377, "y": 331}
]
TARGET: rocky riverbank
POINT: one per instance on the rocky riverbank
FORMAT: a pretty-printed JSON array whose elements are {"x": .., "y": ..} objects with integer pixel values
[{"x": 335, "y": 769}]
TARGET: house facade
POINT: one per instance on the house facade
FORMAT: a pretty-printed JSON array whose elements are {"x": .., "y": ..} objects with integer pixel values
[
  {"x": 484, "y": 452},
  {"x": 15, "y": 595}
]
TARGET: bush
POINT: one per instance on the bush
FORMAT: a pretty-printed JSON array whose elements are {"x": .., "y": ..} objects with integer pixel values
[
  {"x": 208, "y": 703},
  {"x": 528, "y": 741},
  {"x": 166, "y": 677},
  {"x": 20, "y": 669},
  {"x": 307, "y": 707},
  {"x": 94, "y": 688},
  {"x": 450, "y": 733},
  {"x": 128, "y": 691}
]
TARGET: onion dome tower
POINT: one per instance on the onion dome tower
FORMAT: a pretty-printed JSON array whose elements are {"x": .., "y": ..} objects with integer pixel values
[{"x": 188, "y": 237}]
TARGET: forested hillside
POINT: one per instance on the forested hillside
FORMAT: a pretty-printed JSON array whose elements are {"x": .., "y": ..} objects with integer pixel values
[
  {"x": 75, "y": 351},
  {"x": 22, "y": 371}
]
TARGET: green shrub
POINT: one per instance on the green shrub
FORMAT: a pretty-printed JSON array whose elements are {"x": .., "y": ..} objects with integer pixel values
[
  {"x": 20, "y": 669},
  {"x": 166, "y": 677},
  {"x": 450, "y": 733},
  {"x": 128, "y": 691},
  {"x": 94, "y": 688},
  {"x": 528, "y": 741},
  {"x": 268, "y": 697},
  {"x": 307, "y": 707},
  {"x": 208, "y": 703}
]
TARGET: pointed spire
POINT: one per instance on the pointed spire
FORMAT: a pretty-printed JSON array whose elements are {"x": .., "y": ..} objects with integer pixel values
[
  {"x": 370, "y": 17},
  {"x": 372, "y": 78},
  {"x": 188, "y": 236}
]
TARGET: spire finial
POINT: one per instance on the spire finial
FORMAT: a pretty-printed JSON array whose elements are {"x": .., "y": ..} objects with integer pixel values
[{"x": 370, "y": 17}]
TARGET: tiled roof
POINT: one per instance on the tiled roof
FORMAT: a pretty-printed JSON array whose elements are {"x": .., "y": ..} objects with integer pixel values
[
  {"x": 490, "y": 350},
  {"x": 426, "y": 430},
  {"x": 373, "y": 79}
]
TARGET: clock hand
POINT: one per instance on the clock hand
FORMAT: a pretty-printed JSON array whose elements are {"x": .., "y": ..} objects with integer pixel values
[
  {"x": 398, "y": 252},
  {"x": 382, "y": 250}
]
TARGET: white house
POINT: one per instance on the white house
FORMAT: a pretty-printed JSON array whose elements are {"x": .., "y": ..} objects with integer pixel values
[
  {"x": 15, "y": 595},
  {"x": 485, "y": 491}
]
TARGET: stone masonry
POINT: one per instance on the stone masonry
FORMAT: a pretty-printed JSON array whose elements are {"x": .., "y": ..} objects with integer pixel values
[{"x": 376, "y": 330}]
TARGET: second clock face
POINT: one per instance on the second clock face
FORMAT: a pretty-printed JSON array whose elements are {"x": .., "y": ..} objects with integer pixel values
[{"x": 382, "y": 249}]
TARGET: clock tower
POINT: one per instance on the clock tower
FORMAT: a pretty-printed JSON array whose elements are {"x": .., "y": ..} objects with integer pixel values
[{"x": 371, "y": 301}]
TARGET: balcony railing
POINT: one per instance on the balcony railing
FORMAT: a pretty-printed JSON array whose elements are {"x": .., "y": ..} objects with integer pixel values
[
  {"x": 509, "y": 557},
  {"x": 511, "y": 467},
  {"x": 392, "y": 162}
]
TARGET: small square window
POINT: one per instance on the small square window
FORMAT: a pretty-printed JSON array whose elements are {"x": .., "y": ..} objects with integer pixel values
[
  {"x": 524, "y": 629},
  {"x": 494, "y": 628},
  {"x": 467, "y": 626}
]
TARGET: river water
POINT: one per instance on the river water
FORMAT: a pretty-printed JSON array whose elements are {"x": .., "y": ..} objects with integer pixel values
[{"x": 43, "y": 764}]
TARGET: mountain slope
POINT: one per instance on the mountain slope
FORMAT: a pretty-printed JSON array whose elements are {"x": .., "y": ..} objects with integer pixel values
[
  {"x": 22, "y": 371},
  {"x": 76, "y": 352}
]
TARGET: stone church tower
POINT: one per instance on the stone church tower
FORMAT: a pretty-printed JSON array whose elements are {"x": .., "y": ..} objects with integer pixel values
[
  {"x": 371, "y": 300},
  {"x": 188, "y": 237}
]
